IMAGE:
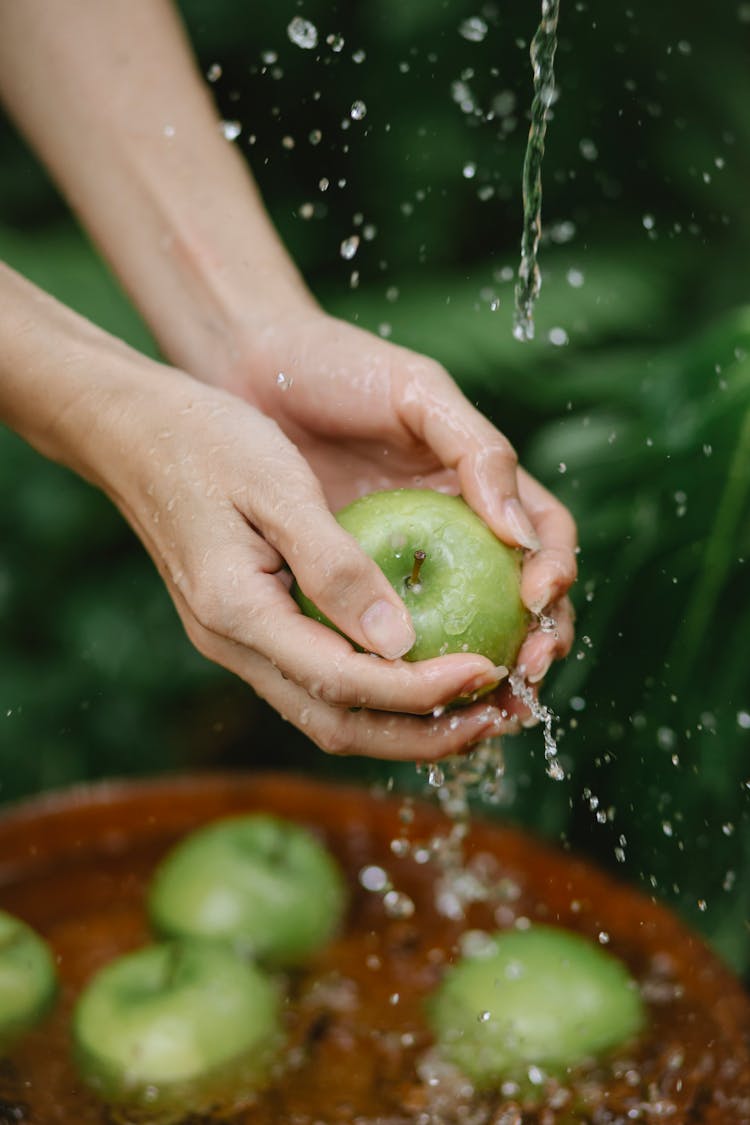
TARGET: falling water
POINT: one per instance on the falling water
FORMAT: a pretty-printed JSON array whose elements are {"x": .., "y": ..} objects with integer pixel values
[{"x": 543, "y": 47}]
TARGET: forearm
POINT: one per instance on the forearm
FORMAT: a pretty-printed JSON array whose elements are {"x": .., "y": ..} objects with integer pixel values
[
  {"x": 110, "y": 97},
  {"x": 63, "y": 381}
]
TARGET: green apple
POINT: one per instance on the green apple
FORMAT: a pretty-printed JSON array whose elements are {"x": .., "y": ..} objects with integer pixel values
[
  {"x": 264, "y": 884},
  {"x": 543, "y": 997},
  {"x": 460, "y": 584},
  {"x": 28, "y": 981},
  {"x": 177, "y": 1028}
]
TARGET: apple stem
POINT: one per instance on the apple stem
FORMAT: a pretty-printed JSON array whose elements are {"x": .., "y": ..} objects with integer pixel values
[{"x": 413, "y": 579}]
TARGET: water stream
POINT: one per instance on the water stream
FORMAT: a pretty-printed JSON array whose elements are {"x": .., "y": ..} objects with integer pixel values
[{"x": 543, "y": 47}]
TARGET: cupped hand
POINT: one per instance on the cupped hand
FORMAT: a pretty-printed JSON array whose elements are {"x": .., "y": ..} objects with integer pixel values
[
  {"x": 227, "y": 506},
  {"x": 367, "y": 414}
]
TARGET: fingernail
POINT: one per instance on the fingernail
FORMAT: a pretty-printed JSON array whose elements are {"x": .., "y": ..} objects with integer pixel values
[
  {"x": 520, "y": 525},
  {"x": 486, "y": 680},
  {"x": 542, "y": 600},
  {"x": 538, "y": 669},
  {"x": 387, "y": 631},
  {"x": 489, "y": 729}
]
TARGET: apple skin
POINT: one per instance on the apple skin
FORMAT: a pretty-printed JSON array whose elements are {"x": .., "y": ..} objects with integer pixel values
[
  {"x": 264, "y": 884},
  {"x": 177, "y": 1028},
  {"x": 542, "y": 997},
  {"x": 28, "y": 980},
  {"x": 467, "y": 598}
]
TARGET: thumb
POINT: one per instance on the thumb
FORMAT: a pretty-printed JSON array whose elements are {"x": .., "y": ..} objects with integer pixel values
[
  {"x": 346, "y": 585},
  {"x": 330, "y": 567}
]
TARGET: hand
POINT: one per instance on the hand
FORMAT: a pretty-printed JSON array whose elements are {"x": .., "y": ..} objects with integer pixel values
[
  {"x": 366, "y": 414},
  {"x": 223, "y": 500}
]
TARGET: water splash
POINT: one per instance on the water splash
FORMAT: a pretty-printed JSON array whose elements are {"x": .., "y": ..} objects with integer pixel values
[
  {"x": 349, "y": 247},
  {"x": 303, "y": 33},
  {"x": 526, "y": 694},
  {"x": 543, "y": 47}
]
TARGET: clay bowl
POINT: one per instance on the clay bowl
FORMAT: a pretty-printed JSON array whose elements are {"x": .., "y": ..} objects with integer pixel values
[{"x": 75, "y": 865}]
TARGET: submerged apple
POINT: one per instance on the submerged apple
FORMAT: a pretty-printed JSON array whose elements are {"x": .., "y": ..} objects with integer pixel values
[
  {"x": 460, "y": 584},
  {"x": 28, "y": 981},
  {"x": 177, "y": 1029},
  {"x": 543, "y": 997},
  {"x": 264, "y": 884}
]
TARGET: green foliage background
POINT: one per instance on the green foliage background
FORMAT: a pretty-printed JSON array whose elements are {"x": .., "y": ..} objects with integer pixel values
[{"x": 641, "y": 422}]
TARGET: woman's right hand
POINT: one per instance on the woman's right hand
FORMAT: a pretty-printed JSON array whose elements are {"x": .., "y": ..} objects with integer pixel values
[{"x": 227, "y": 507}]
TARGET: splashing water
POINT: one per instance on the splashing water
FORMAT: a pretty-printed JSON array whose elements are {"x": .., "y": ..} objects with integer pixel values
[
  {"x": 303, "y": 33},
  {"x": 525, "y": 693},
  {"x": 543, "y": 47}
]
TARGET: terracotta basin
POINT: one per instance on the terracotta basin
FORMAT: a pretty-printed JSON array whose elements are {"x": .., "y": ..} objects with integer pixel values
[{"x": 74, "y": 865}]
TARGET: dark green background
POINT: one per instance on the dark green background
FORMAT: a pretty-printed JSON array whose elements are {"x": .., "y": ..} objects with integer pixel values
[{"x": 641, "y": 422}]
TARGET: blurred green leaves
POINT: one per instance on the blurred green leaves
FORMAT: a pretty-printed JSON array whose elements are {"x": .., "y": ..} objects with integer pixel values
[{"x": 632, "y": 404}]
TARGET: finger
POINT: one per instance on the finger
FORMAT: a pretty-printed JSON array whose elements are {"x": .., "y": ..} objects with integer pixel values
[
  {"x": 549, "y": 573},
  {"x": 551, "y": 641},
  {"x": 262, "y": 619},
  {"x": 376, "y": 734},
  {"x": 332, "y": 570},
  {"x": 439, "y": 415}
]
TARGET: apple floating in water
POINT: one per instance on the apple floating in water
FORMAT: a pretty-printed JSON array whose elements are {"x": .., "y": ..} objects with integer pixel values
[
  {"x": 28, "y": 981},
  {"x": 177, "y": 1029},
  {"x": 544, "y": 997},
  {"x": 264, "y": 884},
  {"x": 460, "y": 583}
]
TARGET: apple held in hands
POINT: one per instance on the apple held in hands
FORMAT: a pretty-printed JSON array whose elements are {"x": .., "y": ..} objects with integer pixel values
[
  {"x": 28, "y": 981},
  {"x": 543, "y": 997},
  {"x": 460, "y": 583},
  {"x": 263, "y": 884},
  {"x": 177, "y": 1029}
]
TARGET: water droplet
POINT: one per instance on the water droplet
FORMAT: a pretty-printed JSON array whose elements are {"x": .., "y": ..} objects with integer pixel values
[
  {"x": 558, "y": 337},
  {"x": 435, "y": 775},
  {"x": 284, "y": 382},
  {"x": 469, "y": 170},
  {"x": 358, "y": 110},
  {"x": 574, "y": 278},
  {"x": 303, "y": 33},
  {"x": 484, "y": 1017},
  {"x": 374, "y": 878},
  {"x": 231, "y": 129},
  {"x": 214, "y": 72},
  {"x": 335, "y": 42},
  {"x": 169, "y": 130},
  {"x": 648, "y": 222},
  {"x": 359, "y": 56},
  {"x": 743, "y": 720},
  {"x": 588, "y": 149},
  {"x": 349, "y": 247},
  {"x": 398, "y": 905},
  {"x": 474, "y": 29},
  {"x": 315, "y": 136}
]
